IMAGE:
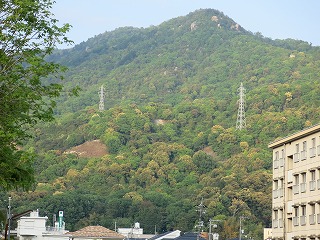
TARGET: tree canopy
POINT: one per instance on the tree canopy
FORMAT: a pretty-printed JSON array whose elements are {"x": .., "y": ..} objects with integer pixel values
[{"x": 28, "y": 34}]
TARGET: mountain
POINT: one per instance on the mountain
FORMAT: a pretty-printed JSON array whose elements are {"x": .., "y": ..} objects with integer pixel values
[
  {"x": 162, "y": 63},
  {"x": 169, "y": 125}
]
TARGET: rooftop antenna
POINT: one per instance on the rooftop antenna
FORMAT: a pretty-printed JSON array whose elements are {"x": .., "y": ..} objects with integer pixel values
[
  {"x": 241, "y": 118},
  {"x": 102, "y": 96}
]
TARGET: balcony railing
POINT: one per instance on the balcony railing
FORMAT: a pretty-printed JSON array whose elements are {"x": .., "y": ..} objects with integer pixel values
[
  {"x": 312, "y": 185},
  {"x": 312, "y": 152},
  {"x": 55, "y": 230},
  {"x": 295, "y": 189},
  {"x": 295, "y": 221},
  {"x": 303, "y": 220},
  {"x": 312, "y": 219},
  {"x": 303, "y": 155},
  {"x": 296, "y": 157},
  {"x": 303, "y": 187}
]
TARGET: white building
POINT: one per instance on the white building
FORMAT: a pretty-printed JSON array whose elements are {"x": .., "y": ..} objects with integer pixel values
[
  {"x": 34, "y": 227},
  {"x": 134, "y": 232},
  {"x": 296, "y": 186}
]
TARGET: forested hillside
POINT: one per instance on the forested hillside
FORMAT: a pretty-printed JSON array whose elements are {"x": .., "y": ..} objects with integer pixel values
[{"x": 169, "y": 126}]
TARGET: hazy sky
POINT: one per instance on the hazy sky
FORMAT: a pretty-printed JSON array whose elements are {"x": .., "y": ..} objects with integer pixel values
[{"x": 277, "y": 19}]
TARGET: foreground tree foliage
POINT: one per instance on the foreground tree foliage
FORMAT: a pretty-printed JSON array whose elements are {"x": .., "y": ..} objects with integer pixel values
[{"x": 28, "y": 34}]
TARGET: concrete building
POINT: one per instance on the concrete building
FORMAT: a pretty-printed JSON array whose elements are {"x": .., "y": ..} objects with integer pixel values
[
  {"x": 135, "y": 231},
  {"x": 296, "y": 186},
  {"x": 34, "y": 227}
]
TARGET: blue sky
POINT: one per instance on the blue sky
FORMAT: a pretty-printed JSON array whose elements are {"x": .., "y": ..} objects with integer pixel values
[{"x": 277, "y": 19}]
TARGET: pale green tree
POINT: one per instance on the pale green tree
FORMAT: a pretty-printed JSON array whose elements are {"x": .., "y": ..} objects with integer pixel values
[{"x": 28, "y": 34}]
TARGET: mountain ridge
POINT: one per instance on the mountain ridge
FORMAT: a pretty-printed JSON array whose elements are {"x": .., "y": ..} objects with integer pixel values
[
  {"x": 110, "y": 66},
  {"x": 188, "y": 77}
]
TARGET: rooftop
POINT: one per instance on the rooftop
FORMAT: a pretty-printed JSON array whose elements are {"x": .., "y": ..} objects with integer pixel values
[
  {"x": 295, "y": 136},
  {"x": 96, "y": 232}
]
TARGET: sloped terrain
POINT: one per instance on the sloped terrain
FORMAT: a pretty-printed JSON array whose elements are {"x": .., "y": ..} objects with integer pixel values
[
  {"x": 89, "y": 149},
  {"x": 169, "y": 125}
]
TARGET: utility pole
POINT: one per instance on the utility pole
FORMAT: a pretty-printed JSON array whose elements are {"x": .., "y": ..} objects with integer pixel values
[
  {"x": 212, "y": 224},
  {"x": 241, "y": 118},
  {"x": 9, "y": 217},
  {"x": 201, "y": 210},
  {"x": 54, "y": 219},
  {"x": 102, "y": 97},
  {"x": 240, "y": 228}
]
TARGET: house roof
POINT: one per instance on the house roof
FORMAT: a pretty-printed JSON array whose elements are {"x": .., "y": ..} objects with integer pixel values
[{"x": 96, "y": 232}]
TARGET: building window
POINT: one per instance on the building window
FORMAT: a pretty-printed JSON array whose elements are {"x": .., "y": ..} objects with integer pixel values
[
  {"x": 295, "y": 187},
  {"x": 275, "y": 189},
  {"x": 296, "y": 155},
  {"x": 289, "y": 162},
  {"x": 318, "y": 214},
  {"x": 281, "y": 160},
  {"x": 275, "y": 219},
  {"x": 318, "y": 180},
  {"x": 303, "y": 185},
  {"x": 304, "y": 151},
  {"x": 295, "y": 219},
  {"x": 280, "y": 222},
  {"x": 313, "y": 148},
  {"x": 280, "y": 188},
  {"x": 276, "y": 160},
  {"x": 312, "y": 216},
  {"x": 303, "y": 215},
  {"x": 312, "y": 183}
]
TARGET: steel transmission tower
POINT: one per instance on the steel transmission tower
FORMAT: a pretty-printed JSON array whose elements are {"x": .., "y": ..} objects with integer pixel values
[
  {"x": 241, "y": 119},
  {"x": 102, "y": 96}
]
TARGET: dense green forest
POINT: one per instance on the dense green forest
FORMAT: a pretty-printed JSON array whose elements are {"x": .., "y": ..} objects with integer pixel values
[{"x": 171, "y": 104}]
